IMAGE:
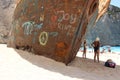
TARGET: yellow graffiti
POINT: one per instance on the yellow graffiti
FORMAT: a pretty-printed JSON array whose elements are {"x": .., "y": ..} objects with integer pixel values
[{"x": 43, "y": 38}]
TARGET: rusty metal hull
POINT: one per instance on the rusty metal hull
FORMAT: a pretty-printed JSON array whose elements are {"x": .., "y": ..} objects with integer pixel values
[{"x": 53, "y": 28}]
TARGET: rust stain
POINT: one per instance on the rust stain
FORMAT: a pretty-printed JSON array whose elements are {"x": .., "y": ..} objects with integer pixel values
[
  {"x": 66, "y": 5},
  {"x": 61, "y": 49}
]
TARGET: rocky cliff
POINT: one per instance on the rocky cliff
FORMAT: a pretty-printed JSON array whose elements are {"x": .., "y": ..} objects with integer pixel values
[
  {"x": 6, "y": 11},
  {"x": 107, "y": 28}
]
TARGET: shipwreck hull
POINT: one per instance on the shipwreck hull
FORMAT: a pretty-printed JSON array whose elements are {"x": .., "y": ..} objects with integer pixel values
[{"x": 53, "y": 28}]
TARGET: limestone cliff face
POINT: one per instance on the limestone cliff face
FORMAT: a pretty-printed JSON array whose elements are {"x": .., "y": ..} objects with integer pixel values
[
  {"x": 103, "y": 5},
  {"x": 107, "y": 28},
  {"x": 6, "y": 11}
]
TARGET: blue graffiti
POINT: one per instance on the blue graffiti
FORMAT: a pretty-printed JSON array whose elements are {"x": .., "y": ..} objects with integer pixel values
[
  {"x": 54, "y": 34},
  {"x": 34, "y": 38},
  {"x": 28, "y": 27},
  {"x": 39, "y": 26}
]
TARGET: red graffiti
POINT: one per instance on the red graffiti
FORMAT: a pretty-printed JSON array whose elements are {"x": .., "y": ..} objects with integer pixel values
[{"x": 54, "y": 18}]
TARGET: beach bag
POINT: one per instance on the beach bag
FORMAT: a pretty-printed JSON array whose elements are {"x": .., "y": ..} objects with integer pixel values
[{"x": 110, "y": 64}]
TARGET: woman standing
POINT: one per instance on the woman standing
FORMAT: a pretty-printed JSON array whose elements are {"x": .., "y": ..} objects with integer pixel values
[
  {"x": 85, "y": 49},
  {"x": 96, "y": 46}
]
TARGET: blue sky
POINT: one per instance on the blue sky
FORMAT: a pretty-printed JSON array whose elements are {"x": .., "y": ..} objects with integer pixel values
[{"x": 115, "y": 3}]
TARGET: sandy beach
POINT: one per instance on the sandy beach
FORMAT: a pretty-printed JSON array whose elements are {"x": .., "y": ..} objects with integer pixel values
[{"x": 21, "y": 65}]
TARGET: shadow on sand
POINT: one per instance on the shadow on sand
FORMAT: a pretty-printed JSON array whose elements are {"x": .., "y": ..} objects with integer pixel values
[{"x": 79, "y": 68}]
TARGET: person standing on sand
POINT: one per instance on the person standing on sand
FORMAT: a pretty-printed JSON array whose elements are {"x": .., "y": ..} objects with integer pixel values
[
  {"x": 109, "y": 50},
  {"x": 84, "y": 49},
  {"x": 96, "y": 46}
]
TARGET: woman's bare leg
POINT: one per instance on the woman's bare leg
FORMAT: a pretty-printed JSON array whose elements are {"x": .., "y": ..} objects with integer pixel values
[
  {"x": 95, "y": 57},
  {"x": 98, "y": 56}
]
